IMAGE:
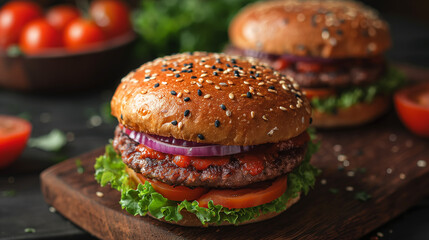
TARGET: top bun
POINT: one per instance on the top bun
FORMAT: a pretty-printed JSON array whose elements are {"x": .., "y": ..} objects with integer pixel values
[
  {"x": 327, "y": 29},
  {"x": 211, "y": 98}
]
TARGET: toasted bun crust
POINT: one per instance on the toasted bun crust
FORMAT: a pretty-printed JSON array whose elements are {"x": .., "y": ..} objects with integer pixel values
[
  {"x": 190, "y": 220},
  {"x": 328, "y": 29},
  {"x": 355, "y": 115},
  {"x": 248, "y": 104}
]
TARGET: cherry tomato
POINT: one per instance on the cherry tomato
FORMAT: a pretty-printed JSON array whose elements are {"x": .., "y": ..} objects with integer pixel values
[
  {"x": 318, "y": 92},
  {"x": 175, "y": 193},
  {"x": 14, "y": 133},
  {"x": 13, "y": 18},
  {"x": 112, "y": 16},
  {"x": 61, "y": 15},
  {"x": 412, "y": 105},
  {"x": 308, "y": 67},
  {"x": 82, "y": 34},
  {"x": 281, "y": 64},
  {"x": 245, "y": 197},
  {"x": 39, "y": 36}
]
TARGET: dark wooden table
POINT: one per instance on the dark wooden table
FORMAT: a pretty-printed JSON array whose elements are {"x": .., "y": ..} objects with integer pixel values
[{"x": 21, "y": 202}]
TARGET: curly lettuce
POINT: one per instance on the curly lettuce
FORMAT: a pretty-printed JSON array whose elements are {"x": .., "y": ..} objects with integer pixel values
[
  {"x": 393, "y": 80},
  {"x": 144, "y": 199}
]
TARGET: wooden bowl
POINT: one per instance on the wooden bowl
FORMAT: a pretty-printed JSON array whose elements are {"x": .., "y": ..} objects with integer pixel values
[{"x": 62, "y": 71}]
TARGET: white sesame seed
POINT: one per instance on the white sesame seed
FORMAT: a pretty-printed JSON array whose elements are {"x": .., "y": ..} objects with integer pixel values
[
  {"x": 272, "y": 90},
  {"x": 246, "y": 82},
  {"x": 179, "y": 95},
  {"x": 261, "y": 84},
  {"x": 346, "y": 163},
  {"x": 282, "y": 108},
  {"x": 230, "y": 82},
  {"x": 186, "y": 91},
  {"x": 169, "y": 74},
  {"x": 337, "y": 148},
  {"x": 349, "y": 189},
  {"x": 380, "y": 234},
  {"x": 342, "y": 158},
  {"x": 228, "y": 113},
  {"x": 207, "y": 96},
  {"x": 207, "y": 66},
  {"x": 223, "y": 84},
  {"x": 179, "y": 80},
  {"x": 252, "y": 114},
  {"x": 389, "y": 171},
  {"x": 402, "y": 176},
  {"x": 259, "y": 94},
  {"x": 199, "y": 84},
  {"x": 164, "y": 83},
  {"x": 99, "y": 194},
  {"x": 350, "y": 173},
  {"x": 291, "y": 107},
  {"x": 231, "y": 95},
  {"x": 264, "y": 117},
  {"x": 52, "y": 209},
  {"x": 421, "y": 163},
  {"x": 323, "y": 182},
  {"x": 203, "y": 75},
  {"x": 180, "y": 125},
  {"x": 217, "y": 87},
  {"x": 200, "y": 80}
]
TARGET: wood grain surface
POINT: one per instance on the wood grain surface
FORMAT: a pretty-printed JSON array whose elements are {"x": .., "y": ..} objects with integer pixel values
[{"x": 380, "y": 159}]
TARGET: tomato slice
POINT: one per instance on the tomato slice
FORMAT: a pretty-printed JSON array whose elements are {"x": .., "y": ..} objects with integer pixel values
[
  {"x": 412, "y": 105},
  {"x": 318, "y": 92},
  {"x": 175, "y": 193},
  {"x": 14, "y": 133},
  {"x": 245, "y": 197},
  {"x": 281, "y": 64},
  {"x": 308, "y": 67}
]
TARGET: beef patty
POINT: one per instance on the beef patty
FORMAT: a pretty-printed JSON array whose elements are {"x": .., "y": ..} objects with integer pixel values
[
  {"x": 230, "y": 175},
  {"x": 349, "y": 72}
]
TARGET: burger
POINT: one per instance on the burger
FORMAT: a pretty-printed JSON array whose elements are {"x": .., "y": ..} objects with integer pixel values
[
  {"x": 333, "y": 50},
  {"x": 208, "y": 139}
]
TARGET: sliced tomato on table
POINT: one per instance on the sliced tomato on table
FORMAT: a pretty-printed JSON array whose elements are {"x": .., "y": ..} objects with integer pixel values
[
  {"x": 175, "y": 193},
  {"x": 14, "y": 133},
  {"x": 245, "y": 197},
  {"x": 412, "y": 105},
  {"x": 318, "y": 92}
]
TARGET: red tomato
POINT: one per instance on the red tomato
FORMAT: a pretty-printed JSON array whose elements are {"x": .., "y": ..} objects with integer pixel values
[
  {"x": 412, "y": 105},
  {"x": 14, "y": 133},
  {"x": 175, "y": 193},
  {"x": 39, "y": 36},
  {"x": 112, "y": 16},
  {"x": 281, "y": 64},
  {"x": 245, "y": 197},
  {"x": 318, "y": 92},
  {"x": 60, "y": 16},
  {"x": 13, "y": 18},
  {"x": 82, "y": 34},
  {"x": 308, "y": 67}
]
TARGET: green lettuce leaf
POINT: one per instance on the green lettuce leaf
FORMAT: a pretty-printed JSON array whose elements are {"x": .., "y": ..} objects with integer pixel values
[
  {"x": 144, "y": 198},
  {"x": 393, "y": 80}
]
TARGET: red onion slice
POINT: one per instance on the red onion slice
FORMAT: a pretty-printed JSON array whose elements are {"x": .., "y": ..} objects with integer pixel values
[{"x": 186, "y": 148}]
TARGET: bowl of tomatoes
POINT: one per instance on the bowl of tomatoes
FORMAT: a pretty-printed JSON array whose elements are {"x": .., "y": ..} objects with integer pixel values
[{"x": 63, "y": 48}]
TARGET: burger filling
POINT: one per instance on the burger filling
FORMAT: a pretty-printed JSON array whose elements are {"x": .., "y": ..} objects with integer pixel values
[
  {"x": 331, "y": 84},
  {"x": 233, "y": 188}
]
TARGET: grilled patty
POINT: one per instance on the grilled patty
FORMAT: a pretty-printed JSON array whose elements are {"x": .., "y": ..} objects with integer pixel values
[
  {"x": 231, "y": 175},
  {"x": 349, "y": 73}
]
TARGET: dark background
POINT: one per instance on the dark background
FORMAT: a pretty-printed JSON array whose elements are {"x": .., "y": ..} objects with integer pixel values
[{"x": 82, "y": 116}]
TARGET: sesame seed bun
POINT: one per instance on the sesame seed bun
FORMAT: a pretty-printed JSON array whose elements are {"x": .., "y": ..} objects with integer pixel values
[
  {"x": 217, "y": 99},
  {"x": 352, "y": 116},
  {"x": 327, "y": 29}
]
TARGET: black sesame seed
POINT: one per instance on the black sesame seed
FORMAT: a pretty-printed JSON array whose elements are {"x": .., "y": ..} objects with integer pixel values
[
  {"x": 218, "y": 60},
  {"x": 201, "y": 136},
  {"x": 220, "y": 69},
  {"x": 257, "y": 75},
  {"x": 311, "y": 120},
  {"x": 156, "y": 85},
  {"x": 235, "y": 66},
  {"x": 253, "y": 66},
  {"x": 217, "y": 123},
  {"x": 203, "y": 60},
  {"x": 189, "y": 70},
  {"x": 163, "y": 70},
  {"x": 272, "y": 87},
  {"x": 174, "y": 122},
  {"x": 236, "y": 73},
  {"x": 186, "y": 113},
  {"x": 171, "y": 69},
  {"x": 183, "y": 71},
  {"x": 249, "y": 95},
  {"x": 223, "y": 107},
  {"x": 252, "y": 77},
  {"x": 147, "y": 77},
  {"x": 215, "y": 73},
  {"x": 122, "y": 117},
  {"x": 164, "y": 65},
  {"x": 296, "y": 95},
  {"x": 252, "y": 72},
  {"x": 193, "y": 77},
  {"x": 228, "y": 65},
  {"x": 233, "y": 61},
  {"x": 213, "y": 67},
  {"x": 173, "y": 92},
  {"x": 240, "y": 68},
  {"x": 186, "y": 99},
  {"x": 177, "y": 75},
  {"x": 339, "y": 32},
  {"x": 200, "y": 92}
]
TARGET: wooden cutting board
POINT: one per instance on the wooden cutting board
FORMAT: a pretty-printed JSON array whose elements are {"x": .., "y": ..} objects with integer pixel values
[{"x": 381, "y": 159}]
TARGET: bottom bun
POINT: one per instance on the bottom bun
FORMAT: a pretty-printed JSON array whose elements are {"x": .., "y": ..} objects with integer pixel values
[
  {"x": 355, "y": 115},
  {"x": 190, "y": 220}
]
